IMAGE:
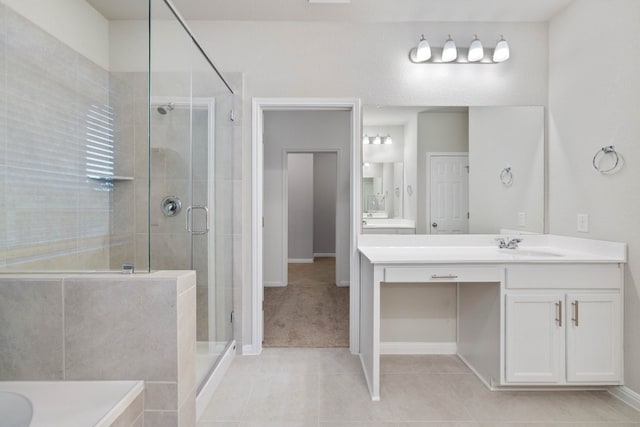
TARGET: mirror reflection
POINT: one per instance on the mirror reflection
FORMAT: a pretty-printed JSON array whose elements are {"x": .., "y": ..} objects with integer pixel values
[
  {"x": 382, "y": 185},
  {"x": 456, "y": 170}
]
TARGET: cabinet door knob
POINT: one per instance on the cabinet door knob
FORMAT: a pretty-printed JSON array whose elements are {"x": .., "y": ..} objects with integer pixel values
[{"x": 434, "y": 225}]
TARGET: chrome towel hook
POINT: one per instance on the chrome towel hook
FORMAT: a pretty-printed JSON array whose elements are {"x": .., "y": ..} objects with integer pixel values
[
  {"x": 506, "y": 176},
  {"x": 609, "y": 149}
]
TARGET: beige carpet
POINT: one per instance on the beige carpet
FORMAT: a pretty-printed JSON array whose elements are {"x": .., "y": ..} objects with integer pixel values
[{"x": 311, "y": 311}]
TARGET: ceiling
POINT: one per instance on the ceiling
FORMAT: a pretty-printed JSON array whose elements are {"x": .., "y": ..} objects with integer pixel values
[{"x": 355, "y": 11}]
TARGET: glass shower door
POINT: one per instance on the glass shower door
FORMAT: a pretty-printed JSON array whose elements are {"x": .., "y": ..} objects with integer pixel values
[{"x": 191, "y": 192}]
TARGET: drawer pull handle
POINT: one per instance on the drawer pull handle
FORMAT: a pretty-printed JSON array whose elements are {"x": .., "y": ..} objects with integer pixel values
[
  {"x": 559, "y": 313},
  {"x": 576, "y": 313},
  {"x": 444, "y": 276}
]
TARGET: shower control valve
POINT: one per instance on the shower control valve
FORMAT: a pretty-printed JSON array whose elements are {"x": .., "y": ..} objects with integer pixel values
[{"x": 171, "y": 206}]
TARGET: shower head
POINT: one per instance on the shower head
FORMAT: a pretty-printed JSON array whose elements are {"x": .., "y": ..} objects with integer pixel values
[{"x": 165, "y": 108}]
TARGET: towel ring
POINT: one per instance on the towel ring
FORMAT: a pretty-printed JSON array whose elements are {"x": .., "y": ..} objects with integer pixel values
[
  {"x": 506, "y": 176},
  {"x": 609, "y": 149}
]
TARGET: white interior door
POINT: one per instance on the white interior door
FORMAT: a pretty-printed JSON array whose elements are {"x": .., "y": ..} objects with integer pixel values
[{"x": 448, "y": 210}]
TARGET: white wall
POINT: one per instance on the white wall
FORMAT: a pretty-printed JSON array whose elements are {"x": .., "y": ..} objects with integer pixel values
[
  {"x": 325, "y": 185},
  {"x": 301, "y": 206},
  {"x": 74, "y": 22},
  {"x": 307, "y": 131},
  {"x": 501, "y": 137},
  {"x": 327, "y": 59},
  {"x": 594, "y": 99},
  {"x": 437, "y": 131},
  {"x": 411, "y": 169}
]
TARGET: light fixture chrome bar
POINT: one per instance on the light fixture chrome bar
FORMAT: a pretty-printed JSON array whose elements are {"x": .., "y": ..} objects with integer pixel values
[
  {"x": 195, "y": 41},
  {"x": 436, "y": 56}
]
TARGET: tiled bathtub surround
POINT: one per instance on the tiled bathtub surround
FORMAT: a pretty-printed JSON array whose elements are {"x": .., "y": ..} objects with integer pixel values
[{"x": 105, "y": 327}]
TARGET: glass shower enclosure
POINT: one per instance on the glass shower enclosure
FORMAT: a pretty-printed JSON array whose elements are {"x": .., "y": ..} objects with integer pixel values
[
  {"x": 120, "y": 163},
  {"x": 190, "y": 176}
]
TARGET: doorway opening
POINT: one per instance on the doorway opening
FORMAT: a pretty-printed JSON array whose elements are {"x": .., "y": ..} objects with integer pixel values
[
  {"x": 293, "y": 119},
  {"x": 310, "y": 310}
]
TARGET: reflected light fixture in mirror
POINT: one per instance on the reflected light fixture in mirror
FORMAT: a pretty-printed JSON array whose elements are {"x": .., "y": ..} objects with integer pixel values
[
  {"x": 365, "y": 140},
  {"x": 449, "y": 51},
  {"x": 388, "y": 139},
  {"x": 377, "y": 140},
  {"x": 501, "y": 52},
  {"x": 423, "y": 52},
  {"x": 476, "y": 51}
]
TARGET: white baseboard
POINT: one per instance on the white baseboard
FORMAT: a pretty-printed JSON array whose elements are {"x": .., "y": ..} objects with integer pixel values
[
  {"x": 343, "y": 284},
  {"x": 321, "y": 255},
  {"x": 627, "y": 395},
  {"x": 300, "y": 260},
  {"x": 273, "y": 284},
  {"x": 205, "y": 395},
  {"x": 418, "y": 348}
]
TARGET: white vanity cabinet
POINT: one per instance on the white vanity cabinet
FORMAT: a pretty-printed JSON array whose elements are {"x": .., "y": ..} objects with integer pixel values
[
  {"x": 546, "y": 315},
  {"x": 570, "y": 336}
]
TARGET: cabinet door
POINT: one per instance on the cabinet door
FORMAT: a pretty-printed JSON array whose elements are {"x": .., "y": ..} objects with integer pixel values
[
  {"x": 594, "y": 337},
  {"x": 534, "y": 338}
]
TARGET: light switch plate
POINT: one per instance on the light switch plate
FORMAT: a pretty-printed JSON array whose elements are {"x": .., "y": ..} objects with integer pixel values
[
  {"x": 522, "y": 219},
  {"x": 583, "y": 223}
]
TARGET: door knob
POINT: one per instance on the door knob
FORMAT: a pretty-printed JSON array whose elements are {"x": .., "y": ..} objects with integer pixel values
[{"x": 434, "y": 225}]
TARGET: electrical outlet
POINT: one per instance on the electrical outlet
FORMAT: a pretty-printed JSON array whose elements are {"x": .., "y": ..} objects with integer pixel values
[
  {"x": 522, "y": 219},
  {"x": 583, "y": 223}
]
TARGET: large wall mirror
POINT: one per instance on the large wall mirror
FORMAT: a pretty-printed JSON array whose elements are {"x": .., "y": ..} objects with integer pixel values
[{"x": 453, "y": 170}]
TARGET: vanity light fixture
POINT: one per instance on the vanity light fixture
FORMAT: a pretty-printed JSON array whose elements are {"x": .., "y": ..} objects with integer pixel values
[
  {"x": 377, "y": 140},
  {"x": 501, "y": 52},
  {"x": 476, "y": 51},
  {"x": 388, "y": 140},
  {"x": 423, "y": 51},
  {"x": 449, "y": 51},
  {"x": 452, "y": 54},
  {"x": 365, "y": 140}
]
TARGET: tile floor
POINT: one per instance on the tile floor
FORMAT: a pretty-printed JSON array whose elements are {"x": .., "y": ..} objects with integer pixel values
[{"x": 325, "y": 387}]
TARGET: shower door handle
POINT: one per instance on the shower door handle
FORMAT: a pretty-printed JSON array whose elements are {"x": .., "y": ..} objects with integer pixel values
[{"x": 190, "y": 210}]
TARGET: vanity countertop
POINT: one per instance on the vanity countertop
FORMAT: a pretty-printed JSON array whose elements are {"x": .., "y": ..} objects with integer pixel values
[
  {"x": 388, "y": 223},
  {"x": 467, "y": 249}
]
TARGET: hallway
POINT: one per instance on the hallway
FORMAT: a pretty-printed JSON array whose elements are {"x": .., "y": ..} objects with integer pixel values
[{"x": 311, "y": 311}]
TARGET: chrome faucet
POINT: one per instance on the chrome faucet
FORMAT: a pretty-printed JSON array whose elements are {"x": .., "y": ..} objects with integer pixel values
[{"x": 510, "y": 244}]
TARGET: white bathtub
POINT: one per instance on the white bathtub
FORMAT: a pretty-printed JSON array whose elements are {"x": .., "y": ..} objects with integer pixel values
[{"x": 75, "y": 403}]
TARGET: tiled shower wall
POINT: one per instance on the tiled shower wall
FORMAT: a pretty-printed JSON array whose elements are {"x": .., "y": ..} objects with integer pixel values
[{"x": 55, "y": 109}]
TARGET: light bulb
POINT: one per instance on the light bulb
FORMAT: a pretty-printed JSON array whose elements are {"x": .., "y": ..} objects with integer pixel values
[
  {"x": 365, "y": 140},
  {"x": 449, "y": 51},
  {"x": 476, "y": 52},
  {"x": 423, "y": 51},
  {"x": 377, "y": 140},
  {"x": 501, "y": 52},
  {"x": 388, "y": 139}
]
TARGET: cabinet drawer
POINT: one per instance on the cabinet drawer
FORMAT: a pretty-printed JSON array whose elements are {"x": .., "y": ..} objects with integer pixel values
[
  {"x": 573, "y": 276},
  {"x": 442, "y": 274}
]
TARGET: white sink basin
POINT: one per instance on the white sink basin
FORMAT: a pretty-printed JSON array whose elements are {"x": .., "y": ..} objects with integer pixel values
[
  {"x": 541, "y": 252},
  {"x": 15, "y": 410}
]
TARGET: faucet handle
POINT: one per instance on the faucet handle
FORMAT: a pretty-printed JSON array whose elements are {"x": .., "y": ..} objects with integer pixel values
[{"x": 501, "y": 242}]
